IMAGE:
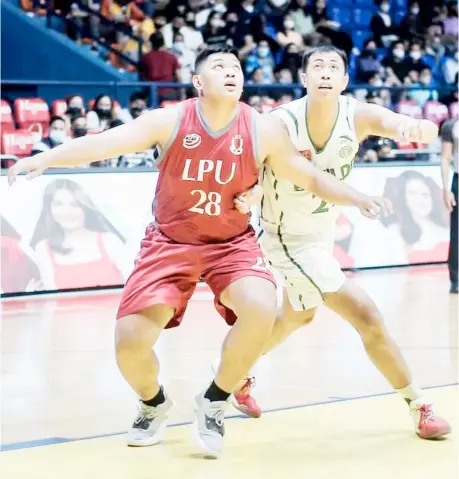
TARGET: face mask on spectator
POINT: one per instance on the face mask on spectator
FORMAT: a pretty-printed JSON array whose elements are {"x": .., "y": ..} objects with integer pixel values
[
  {"x": 135, "y": 111},
  {"x": 57, "y": 136},
  {"x": 289, "y": 24},
  {"x": 425, "y": 79},
  {"x": 78, "y": 132},
  {"x": 385, "y": 7},
  {"x": 415, "y": 10},
  {"x": 415, "y": 55},
  {"x": 103, "y": 112},
  {"x": 179, "y": 47},
  {"x": 378, "y": 83},
  {"x": 263, "y": 51},
  {"x": 74, "y": 111},
  {"x": 398, "y": 52}
]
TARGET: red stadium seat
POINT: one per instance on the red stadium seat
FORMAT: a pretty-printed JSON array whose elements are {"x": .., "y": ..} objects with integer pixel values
[
  {"x": 58, "y": 107},
  {"x": 18, "y": 143},
  {"x": 454, "y": 110},
  {"x": 435, "y": 111},
  {"x": 7, "y": 120},
  {"x": 29, "y": 111},
  {"x": 410, "y": 108}
]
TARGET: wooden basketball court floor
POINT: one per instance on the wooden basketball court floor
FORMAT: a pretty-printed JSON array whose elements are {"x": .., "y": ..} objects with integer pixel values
[{"x": 329, "y": 413}]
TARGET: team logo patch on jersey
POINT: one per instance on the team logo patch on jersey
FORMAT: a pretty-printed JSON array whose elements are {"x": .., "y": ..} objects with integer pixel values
[
  {"x": 345, "y": 147},
  {"x": 191, "y": 141},
  {"x": 236, "y": 145}
]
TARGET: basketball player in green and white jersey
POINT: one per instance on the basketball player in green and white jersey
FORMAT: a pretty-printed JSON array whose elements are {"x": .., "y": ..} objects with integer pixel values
[{"x": 298, "y": 228}]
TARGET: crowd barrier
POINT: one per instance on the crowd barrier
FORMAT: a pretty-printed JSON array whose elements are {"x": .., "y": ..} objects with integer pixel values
[{"x": 103, "y": 215}]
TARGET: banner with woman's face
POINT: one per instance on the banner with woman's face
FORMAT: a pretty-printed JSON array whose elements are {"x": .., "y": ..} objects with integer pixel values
[{"x": 82, "y": 230}]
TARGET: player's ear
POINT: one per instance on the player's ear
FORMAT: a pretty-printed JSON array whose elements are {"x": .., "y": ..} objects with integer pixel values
[
  {"x": 345, "y": 82},
  {"x": 196, "y": 80},
  {"x": 303, "y": 79}
]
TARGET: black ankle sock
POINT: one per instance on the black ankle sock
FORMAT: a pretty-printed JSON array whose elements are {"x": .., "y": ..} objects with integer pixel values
[
  {"x": 157, "y": 400},
  {"x": 214, "y": 393}
]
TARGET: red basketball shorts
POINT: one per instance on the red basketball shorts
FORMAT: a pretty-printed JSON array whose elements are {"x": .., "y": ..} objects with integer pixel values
[{"x": 167, "y": 272}]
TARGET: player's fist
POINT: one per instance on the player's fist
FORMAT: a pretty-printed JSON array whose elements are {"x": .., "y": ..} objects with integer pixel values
[
  {"x": 31, "y": 165},
  {"x": 244, "y": 201},
  {"x": 416, "y": 131},
  {"x": 376, "y": 207},
  {"x": 449, "y": 200}
]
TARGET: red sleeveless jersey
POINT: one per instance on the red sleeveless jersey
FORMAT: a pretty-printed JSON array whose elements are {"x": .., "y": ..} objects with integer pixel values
[{"x": 200, "y": 174}]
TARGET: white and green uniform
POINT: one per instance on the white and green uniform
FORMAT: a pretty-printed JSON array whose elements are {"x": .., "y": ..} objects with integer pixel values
[{"x": 298, "y": 227}]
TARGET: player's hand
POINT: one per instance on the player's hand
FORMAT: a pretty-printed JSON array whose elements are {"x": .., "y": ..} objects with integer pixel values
[
  {"x": 31, "y": 165},
  {"x": 376, "y": 207},
  {"x": 449, "y": 200},
  {"x": 244, "y": 201},
  {"x": 416, "y": 131}
]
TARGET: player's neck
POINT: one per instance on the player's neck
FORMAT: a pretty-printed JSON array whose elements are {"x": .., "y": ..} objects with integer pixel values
[
  {"x": 217, "y": 114},
  {"x": 325, "y": 110}
]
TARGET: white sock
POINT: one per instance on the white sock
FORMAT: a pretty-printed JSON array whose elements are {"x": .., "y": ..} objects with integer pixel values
[{"x": 411, "y": 392}]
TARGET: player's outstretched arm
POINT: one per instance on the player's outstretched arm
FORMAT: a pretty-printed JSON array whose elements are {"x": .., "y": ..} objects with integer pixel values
[
  {"x": 375, "y": 120},
  {"x": 286, "y": 162},
  {"x": 149, "y": 129}
]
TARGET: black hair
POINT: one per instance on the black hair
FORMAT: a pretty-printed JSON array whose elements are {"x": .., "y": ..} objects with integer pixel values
[
  {"x": 137, "y": 95},
  {"x": 324, "y": 49},
  {"x": 75, "y": 118},
  {"x": 54, "y": 119},
  {"x": 156, "y": 40},
  {"x": 218, "y": 48}
]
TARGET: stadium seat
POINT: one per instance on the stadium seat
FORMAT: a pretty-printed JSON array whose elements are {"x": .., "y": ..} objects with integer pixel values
[
  {"x": 410, "y": 108},
  {"x": 362, "y": 16},
  {"x": 398, "y": 16},
  {"x": 367, "y": 3},
  {"x": 400, "y": 4},
  {"x": 18, "y": 143},
  {"x": 359, "y": 37},
  {"x": 454, "y": 110},
  {"x": 7, "y": 120},
  {"x": 340, "y": 15},
  {"x": 435, "y": 111},
  {"x": 29, "y": 111},
  {"x": 58, "y": 107}
]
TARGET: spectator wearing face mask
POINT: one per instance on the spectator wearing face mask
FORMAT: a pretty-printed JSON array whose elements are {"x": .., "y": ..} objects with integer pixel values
[
  {"x": 414, "y": 60},
  {"x": 368, "y": 63},
  {"x": 433, "y": 43},
  {"x": 411, "y": 26},
  {"x": 214, "y": 30},
  {"x": 233, "y": 29},
  {"x": 450, "y": 23},
  {"x": 78, "y": 127},
  {"x": 57, "y": 134},
  {"x": 262, "y": 58},
  {"x": 192, "y": 37},
  {"x": 137, "y": 105},
  {"x": 75, "y": 107},
  {"x": 288, "y": 34},
  {"x": 396, "y": 61},
  {"x": 381, "y": 25},
  {"x": 185, "y": 56},
  {"x": 247, "y": 13},
  {"x": 102, "y": 113},
  {"x": 422, "y": 96}
]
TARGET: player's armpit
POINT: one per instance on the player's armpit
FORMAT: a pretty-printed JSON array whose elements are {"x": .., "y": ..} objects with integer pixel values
[{"x": 375, "y": 120}]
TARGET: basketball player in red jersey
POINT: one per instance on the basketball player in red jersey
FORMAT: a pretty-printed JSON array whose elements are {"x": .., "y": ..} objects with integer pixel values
[{"x": 212, "y": 149}]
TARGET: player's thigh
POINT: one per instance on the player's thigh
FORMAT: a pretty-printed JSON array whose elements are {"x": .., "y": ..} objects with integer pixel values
[
  {"x": 165, "y": 274},
  {"x": 306, "y": 265},
  {"x": 241, "y": 280}
]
